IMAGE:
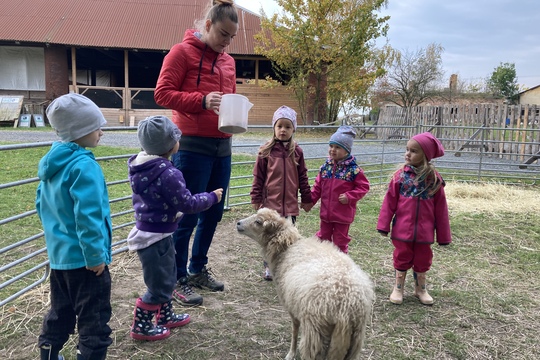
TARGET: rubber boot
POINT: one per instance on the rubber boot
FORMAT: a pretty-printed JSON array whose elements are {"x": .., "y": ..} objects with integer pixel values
[
  {"x": 169, "y": 319},
  {"x": 143, "y": 328},
  {"x": 47, "y": 352},
  {"x": 397, "y": 294},
  {"x": 420, "y": 290}
]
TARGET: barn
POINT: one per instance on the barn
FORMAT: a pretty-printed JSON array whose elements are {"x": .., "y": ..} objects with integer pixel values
[{"x": 112, "y": 51}]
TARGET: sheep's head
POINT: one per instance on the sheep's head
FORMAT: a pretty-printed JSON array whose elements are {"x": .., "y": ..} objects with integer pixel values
[{"x": 268, "y": 228}]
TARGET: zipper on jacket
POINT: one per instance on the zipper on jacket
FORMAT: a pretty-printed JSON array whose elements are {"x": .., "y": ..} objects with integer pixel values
[
  {"x": 416, "y": 218},
  {"x": 283, "y": 196}
]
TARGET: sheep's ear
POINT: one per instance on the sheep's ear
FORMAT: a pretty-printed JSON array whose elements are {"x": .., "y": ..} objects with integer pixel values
[{"x": 271, "y": 226}]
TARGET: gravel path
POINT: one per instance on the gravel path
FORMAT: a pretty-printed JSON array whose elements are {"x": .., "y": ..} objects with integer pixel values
[{"x": 242, "y": 143}]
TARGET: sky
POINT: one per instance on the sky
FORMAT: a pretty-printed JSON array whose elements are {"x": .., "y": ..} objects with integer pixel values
[{"x": 477, "y": 35}]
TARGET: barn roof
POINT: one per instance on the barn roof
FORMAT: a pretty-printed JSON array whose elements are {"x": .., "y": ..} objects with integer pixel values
[{"x": 123, "y": 24}]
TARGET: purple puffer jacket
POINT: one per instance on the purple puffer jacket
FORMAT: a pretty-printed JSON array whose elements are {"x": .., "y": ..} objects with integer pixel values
[{"x": 159, "y": 193}]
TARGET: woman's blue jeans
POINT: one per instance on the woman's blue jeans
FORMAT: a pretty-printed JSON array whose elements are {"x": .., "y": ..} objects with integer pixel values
[{"x": 202, "y": 173}]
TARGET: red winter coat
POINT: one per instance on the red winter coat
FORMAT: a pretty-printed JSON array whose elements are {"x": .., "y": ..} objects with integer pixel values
[
  {"x": 414, "y": 218},
  {"x": 334, "y": 179},
  {"x": 184, "y": 81}
]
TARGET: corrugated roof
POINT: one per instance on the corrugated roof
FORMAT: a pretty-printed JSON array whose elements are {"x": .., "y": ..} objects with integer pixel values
[{"x": 123, "y": 24}]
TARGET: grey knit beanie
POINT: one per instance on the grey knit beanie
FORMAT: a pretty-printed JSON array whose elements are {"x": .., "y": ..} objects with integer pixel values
[
  {"x": 158, "y": 134},
  {"x": 344, "y": 137},
  {"x": 74, "y": 116}
]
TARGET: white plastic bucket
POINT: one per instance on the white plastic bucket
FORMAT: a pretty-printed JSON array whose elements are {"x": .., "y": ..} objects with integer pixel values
[{"x": 233, "y": 113}]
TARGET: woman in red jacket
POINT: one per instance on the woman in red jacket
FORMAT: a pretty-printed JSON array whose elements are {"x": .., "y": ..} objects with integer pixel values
[
  {"x": 194, "y": 76},
  {"x": 415, "y": 205}
]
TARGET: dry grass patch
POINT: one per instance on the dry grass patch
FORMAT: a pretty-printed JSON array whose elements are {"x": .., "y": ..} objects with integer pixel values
[{"x": 491, "y": 198}]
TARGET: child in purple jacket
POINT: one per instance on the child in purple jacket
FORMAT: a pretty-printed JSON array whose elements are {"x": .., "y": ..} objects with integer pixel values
[{"x": 160, "y": 198}]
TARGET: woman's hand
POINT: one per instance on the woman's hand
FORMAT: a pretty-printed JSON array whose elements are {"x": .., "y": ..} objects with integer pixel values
[{"x": 213, "y": 100}]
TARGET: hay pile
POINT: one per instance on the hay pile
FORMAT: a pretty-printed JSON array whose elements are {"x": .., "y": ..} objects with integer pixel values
[{"x": 491, "y": 198}]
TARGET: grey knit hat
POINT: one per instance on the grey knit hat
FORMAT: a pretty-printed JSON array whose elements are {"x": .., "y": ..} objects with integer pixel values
[
  {"x": 158, "y": 134},
  {"x": 74, "y": 116},
  {"x": 344, "y": 137}
]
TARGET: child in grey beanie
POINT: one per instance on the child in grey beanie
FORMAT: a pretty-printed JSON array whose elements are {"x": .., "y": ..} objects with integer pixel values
[
  {"x": 74, "y": 116},
  {"x": 72, "y": 203},
  {"x": 158, "y": 135},
  {"x": 340, "y": 184},
  {"x": 160, "y": 199}
]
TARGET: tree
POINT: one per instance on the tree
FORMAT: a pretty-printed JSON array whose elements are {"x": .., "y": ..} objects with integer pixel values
[
  {"x": 412, "y": 77},
  {"x": 324, "y": 50},
  {"x": 503, "y": 81}
]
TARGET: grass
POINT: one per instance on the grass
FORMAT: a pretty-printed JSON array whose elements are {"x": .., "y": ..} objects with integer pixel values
[{"x": 485, "y": 284}]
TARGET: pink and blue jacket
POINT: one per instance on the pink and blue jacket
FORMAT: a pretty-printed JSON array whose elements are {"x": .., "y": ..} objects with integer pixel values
[
  {"x": 414, "y": 214},
  {"x": 343, "y": 177}
]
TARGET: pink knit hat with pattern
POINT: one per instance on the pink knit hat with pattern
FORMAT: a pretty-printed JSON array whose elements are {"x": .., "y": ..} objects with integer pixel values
[
  {"x": 431, "y": 146},
  {"x": 285, "y": 112}
]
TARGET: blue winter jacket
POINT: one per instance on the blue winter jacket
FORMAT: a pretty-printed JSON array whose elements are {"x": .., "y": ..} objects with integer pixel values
[{"x": 72, "y": 203}]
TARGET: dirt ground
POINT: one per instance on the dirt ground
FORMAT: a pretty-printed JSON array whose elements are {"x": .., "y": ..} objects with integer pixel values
[{"x": 247, "y": 311}]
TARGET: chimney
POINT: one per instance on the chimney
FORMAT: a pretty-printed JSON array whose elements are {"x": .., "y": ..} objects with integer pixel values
[{"x": 453, "y": 82}]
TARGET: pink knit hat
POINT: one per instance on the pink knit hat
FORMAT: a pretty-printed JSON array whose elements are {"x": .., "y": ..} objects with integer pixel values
[
  {"x": 285, "y": 112},
  {"x": 431, "y": 146}
]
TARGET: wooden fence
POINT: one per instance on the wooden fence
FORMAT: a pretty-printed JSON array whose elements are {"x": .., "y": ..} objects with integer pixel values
[{"x": 510, "y": 131}]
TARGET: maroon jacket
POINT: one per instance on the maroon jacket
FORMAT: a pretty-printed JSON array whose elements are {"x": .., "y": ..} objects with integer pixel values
[
  {"x": 276, "y": 181},
  {"x": 190, "y": 71}
]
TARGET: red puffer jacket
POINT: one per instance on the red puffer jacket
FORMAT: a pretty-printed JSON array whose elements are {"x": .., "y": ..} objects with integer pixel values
[{"x": 190, "y": 71}]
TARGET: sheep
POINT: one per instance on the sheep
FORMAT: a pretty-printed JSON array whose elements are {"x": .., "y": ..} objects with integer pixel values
[{"x": 326, "y": 294}]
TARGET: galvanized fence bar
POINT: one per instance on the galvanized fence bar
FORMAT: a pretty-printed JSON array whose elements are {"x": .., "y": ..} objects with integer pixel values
[{"x": 379, "y": 156}]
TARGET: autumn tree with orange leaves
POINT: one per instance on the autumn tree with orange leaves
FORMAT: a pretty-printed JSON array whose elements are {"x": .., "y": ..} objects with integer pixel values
[{"x": 325, "y": 52}]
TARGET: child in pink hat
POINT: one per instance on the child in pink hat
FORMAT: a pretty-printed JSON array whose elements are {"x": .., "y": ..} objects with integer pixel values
[
  {"x": 415, "y": 205},
  {"x": 280, "y": 172}
]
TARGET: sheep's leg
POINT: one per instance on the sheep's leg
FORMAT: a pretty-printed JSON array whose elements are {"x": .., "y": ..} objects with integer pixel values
[{"x": 294, "y": 339}]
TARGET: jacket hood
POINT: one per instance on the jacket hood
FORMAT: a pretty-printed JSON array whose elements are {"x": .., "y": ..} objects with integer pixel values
[
  {"x": 144, "y": 169},
  {"x": 60, "y": 154},
  {"x": 193, "y": 38}
]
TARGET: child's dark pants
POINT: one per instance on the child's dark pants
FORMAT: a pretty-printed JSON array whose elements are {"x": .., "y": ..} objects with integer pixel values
[
  {"x": 79, "y": 296},
  {"x": 159, "y": 271}
]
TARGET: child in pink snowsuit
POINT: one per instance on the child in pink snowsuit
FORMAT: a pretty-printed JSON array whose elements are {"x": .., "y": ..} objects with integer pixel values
[
  {"x": 339, "y": 184},
  {"x": 415, "y": 205}
]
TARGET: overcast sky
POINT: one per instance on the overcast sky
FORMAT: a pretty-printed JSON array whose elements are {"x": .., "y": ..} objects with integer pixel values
[{"x": 477, "y": 35}]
